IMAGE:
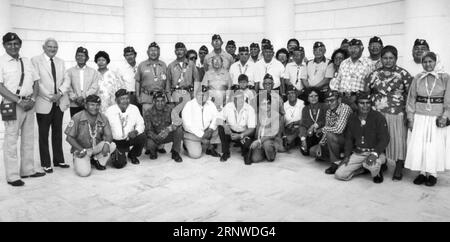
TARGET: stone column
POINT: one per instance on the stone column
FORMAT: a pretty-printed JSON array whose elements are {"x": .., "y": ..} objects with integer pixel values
[
  {"x": 5, "y": 17},
  {"x": 139, "y": 28},
  {"x": 428, "y": 20},
  {"x": 279, "y": 21}
]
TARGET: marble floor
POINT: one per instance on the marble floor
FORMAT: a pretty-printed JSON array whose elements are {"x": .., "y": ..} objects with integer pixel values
[{"x": 293, "y": 188}]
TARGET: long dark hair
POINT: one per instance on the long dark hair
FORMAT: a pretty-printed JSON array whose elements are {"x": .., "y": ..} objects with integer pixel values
[{"x": 338, "y": 51}]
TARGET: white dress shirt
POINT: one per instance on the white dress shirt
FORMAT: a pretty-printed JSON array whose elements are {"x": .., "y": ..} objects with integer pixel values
[
  {"x": 237, "y": 69},
  {"x": 239, "y": 121},
  {"x": 197, "y": 118},
  {"x": 123, "y": 123},
  {"x": 295, "y": 74},
  {"x": 81, "y": 76},
  {"x": 127, "y": 73},
  {"x": 293, "y": 113},
  {"x": 274, "y": 68}
]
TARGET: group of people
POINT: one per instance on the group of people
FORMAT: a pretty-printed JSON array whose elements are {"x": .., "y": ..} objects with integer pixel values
[{"x": 352, "y": 111}]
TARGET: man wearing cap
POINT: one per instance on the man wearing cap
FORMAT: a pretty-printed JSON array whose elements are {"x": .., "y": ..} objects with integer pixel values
[
  {"x": 200, "y": 123},
  {"x": 202, "y": 52},
  {"x": 254, "y": 52},
  {"x": 414, "y": 65},
  {"x": 293, "y": 114},
  {"x": 231, "y": 49},
  {"x": 127, "y": 127},
  {"x": 352, "y": 73},
  {"x": 375, "y": 47},
  {"x": 296, "y": 73},
  {"x": 239, "y": 124},
  {"x": 249, "y": 93},
  {"x": 161, "y": 129},
  {"x": 151, "y": 77},
  {"x": 84, "y": 81},
  {"x": 89, "y": 133},
  {"x": 268, "y": 65},
  {"x": 317, "y": 68},
  {"x": 127, "y": 71},
  {"x": 19, "y": 87},
  {"x": 243, "y": 66},
  {"x": 51, "y": 103},
  {"x": 345, "y": 44},
  {"x": 290, "y": 46},
  {"x": 182, "y": 74},
  {"x": 216, "y": 42},
  {"x": 332, "y": 143},
  {"x": 366, "y": 138}
]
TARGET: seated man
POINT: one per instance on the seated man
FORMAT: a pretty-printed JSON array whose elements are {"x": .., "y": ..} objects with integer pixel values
[
  {"x": 90, "y": 136},
  {"x": 199, "y": 122},
  {"x": 127, "y": 127},
  {"x": 269, "y": 128},
  {"x": 366, "y": 138},
  {"x": 332, "y": 143},
  {"x": 162, "y": 129},
  {"x": 292, "y": 118},
  {"x": 239, "y": 126}
]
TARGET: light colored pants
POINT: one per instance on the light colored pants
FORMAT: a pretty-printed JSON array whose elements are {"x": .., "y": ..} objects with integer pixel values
[
  {"x": 356, "y": 166},
  {"x": 82, "y": 166},
  {"x": 23, "y": 127},
  {"x": 194, "y": 144},
  {"x": 268, "y": 150}
]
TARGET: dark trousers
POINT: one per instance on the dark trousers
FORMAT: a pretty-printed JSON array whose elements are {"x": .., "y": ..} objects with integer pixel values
[
  {"x": 310, "y": 142},
  {"x": 335, "y": 143},
  {"x": 175, "y": 136},
  {"x": 137, "y": 143},
  {"x": 226, "y": 140},
  {"x": 75, "y": 110},
  {"x": 134, "y": 101},
  {"x": 54, "y": 120}
]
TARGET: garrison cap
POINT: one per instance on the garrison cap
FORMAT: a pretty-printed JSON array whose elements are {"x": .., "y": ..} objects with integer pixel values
[
  {"x": 215, "y": 37},
  {"x": 10, "y": 37},
  {"x": 355, "y": 42},
  {"x": 129, "y": 49},
  {"x": 363, "y": 96},
  {"x": 243, "y": 49},
  {"x": 268, "y": 76},
  {"x": 291, "y": 88},
  {"x": 254, "y": 45},
  {"x": 345, "y": 41},
  {"x": 332, "y": 93},
  {"x": 231, "y": 43},
  {"x": 83, "y": 50},
  {"x": 180, "y": 45},
  {"x": 298, "y": 48},
  {"x": 204, "y": 48},
  {"x": 375, "y": 39},
  {"x": 318, "y": 45},
  {"x": 153, "y": 44},
  {"x": 121, "y": 92},
  {"x": 93, "y": 99},
  {"x": 421, "y": 42}
]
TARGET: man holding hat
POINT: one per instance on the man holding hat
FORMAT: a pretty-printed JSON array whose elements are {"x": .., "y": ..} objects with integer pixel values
[
  {"x": 317, "y": 68},
  {"x": 151, "y": 77},
  {"x": 352, "y": 73},
  {"x": 127, "y": 71},
  {"x": 293, "y": 114},
  {"x": 19, "y": 87},
  {"x": 161, "y": 128},
  {"x": 231, "y": 49},
  {"x": 243, "y": 66},
  {"x": 366, "y": 138},
  {"x": 296, "y": 73},
  {"x": 254, "y": 52},
  {"x": 84, "y": 81},
  {"x": 268, "y": 65},
  {"x": 89, "y": 133},
  {"x": 375, "y": 47},
  {"x": 182, "y": 74},
  {"x": 216, "y": 42},
  {"x": 127, "y": 126}
]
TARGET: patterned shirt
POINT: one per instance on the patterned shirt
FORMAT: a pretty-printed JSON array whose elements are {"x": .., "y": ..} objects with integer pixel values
[
  {"x": 390, "y": 89},
  {"x": 156, "y": 121},
  {"x": 352, "y": 74},
  {"x": 108, "y": 86},
  {"x": 336, "y": 121}
]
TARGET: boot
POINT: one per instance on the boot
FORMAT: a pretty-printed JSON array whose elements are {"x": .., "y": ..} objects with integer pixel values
[{"x": 398, "y": 172}]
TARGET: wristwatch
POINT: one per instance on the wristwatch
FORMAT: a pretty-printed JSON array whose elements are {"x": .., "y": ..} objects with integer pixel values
[{"x": 303, "y": 138}]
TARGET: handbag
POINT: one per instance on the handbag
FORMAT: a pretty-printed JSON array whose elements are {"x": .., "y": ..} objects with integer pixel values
[
  {"x": 8, "y": 110},
  {"x": 446, "y": 125}
]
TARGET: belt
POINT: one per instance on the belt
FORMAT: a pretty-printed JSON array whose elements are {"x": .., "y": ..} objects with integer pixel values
[
  {"x": 24, "y": 98},
  {"x": 363, "y": 150},
  {"x": 349, "y": 94},
  {"x": 185, "y": 89},
  {"x": 422, "y": 99}
]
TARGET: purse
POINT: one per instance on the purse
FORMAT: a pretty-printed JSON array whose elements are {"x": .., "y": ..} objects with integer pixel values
[
  {"x": 8, "y": 110},
  {"x": 446, "y": 125}
]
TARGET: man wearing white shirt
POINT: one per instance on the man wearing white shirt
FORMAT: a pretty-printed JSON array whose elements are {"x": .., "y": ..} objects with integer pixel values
[
  {"x": 199, "y": 122},
  {"x": 127, "y": 71},
  {"x": 127, "y": 126},
  {"x": 292, "y": 118},
  {"x": 268, "y": 65},
  {"x": 296, "y": 73},
  {"x": 254, "y": 52},
  {"x": 317, "y": 68},
  {"x": 239, "y": 126},
  {"x": 243, "y": 66}
]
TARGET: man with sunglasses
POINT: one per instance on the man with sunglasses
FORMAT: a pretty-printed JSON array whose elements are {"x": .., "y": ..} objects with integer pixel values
[
  {"x": 243, "y": 66},
  {"x": 366, "y": 137}
]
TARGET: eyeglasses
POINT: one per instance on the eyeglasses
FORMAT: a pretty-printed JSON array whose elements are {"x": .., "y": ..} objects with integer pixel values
[
  {"x": 313, "y": 96},
  {"x": 193, "y": 58}
]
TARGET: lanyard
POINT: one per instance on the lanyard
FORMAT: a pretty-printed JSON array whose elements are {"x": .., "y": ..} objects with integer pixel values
[
  {"x": 429, "y": 92},
  {"x": 155, "y": 72},
  {"x": 123, "y": 122},
  {"x": 245, "y": 70},
  {"x": 93, "y": 134},
  {"x": 314, "y": 118},
  {"x": 298, "y": 73}
]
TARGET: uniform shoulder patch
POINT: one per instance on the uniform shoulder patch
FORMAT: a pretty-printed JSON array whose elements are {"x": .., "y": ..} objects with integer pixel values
[{"x": 71, "y": 123}]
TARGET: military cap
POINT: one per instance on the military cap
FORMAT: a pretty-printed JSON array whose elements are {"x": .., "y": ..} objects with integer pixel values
[
  {"x": 355, "y": 42},
  {"x": 129, "y": 49},
  {"x": 291, "y": 88},
  {"x": 268, "y": 76},
  {"x": 298, "y": 48},
  {"x": 153, "y": 44},
  {"x": 318, "y": 44},
  {"x": 267, "y": 47},
  {"x": 332, "y": 93},
  {"x": 82, "y": 50},
  {"x": 215, "y": 37},
  {"x": 10, "y": 37},
  {"x": 158, "y": 94},
  {"x": 363, "y": 96},
  {"x": 254, "y": 45},
  {"x": 375, "y": 39},
  {"x": 243, "y": 49},
  {"x": 121, "y": 92},
  {"x": 180, "y": 45},
  {"x": 421, "y": 42},
  {"x": 204, "y": 48},
  {"x": 231, "y": 43},
  {"x": 265, "y": 42},
  {"x": 242, "y": 77},
  {"x": 345, "y": 41},
  {"x": 93, "y": 99}
]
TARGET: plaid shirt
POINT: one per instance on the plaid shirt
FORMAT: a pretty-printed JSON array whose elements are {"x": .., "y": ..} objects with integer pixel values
[
  {"x": 336, "y": 121},
  {"x": 351, "y": 75}
]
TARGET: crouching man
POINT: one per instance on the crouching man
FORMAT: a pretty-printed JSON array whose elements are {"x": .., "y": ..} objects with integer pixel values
[
  {"x": 90, "y": 136},
  {"x": 366, "y": 137}
]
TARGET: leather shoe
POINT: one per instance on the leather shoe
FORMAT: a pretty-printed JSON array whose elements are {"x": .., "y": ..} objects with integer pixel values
[
  {"x": 62, "y": 165},
  {"x": 225, "y": 157},
  {"x": 153, "y": 156},
  {"x": 48, "y": 169},
  {"x": 332, "y": 169},
  {"x": 97, "y": 165},
  {"x": 212, "y": 152},
  {"x": 431, "y": 181},
  {"x": 379, "y": 178},
  {"x": 176, "y": 157},
  {"x": 134, "y": 160},
  {"x": 147, "y": 152},
  {"x": 37, "y": 174},
  {"x": 420, "y": 179},
  {"x": 17, "y": 183},
  {"x": 162, "y": 151}
]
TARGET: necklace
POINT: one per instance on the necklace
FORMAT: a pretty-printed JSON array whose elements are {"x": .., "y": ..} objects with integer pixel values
[
  {"x": 123, "y": 122},
  {"x": 429, "y": 92},
  {"x": 93, "y": 134},
  {"x": 314, "y": 119}
]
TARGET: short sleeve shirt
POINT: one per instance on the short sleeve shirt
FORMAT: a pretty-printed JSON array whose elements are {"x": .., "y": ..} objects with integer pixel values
[
  {"x": 226, "y": 58},
  {"x": 274, "y": 68},
  {"x": 152, "y": 75},
  {"x": 182, "y": 74},
  {"x": 10, "y": 73},
  {"x": 316, "y": 71},
  {"x": 295, "y": 73},
  {"x": 239, "y": 121},
  {"x": 237, "y": 69}
]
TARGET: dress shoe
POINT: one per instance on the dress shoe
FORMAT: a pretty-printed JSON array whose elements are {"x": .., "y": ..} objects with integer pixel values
[
  {"x": 97, "y": 165},
  {"x": 162, "y": 151},
  {"x": 153, "y": 156},
  {"x": 379, "y": 178},
  {"x": 134, "y": 160},
  {"x": 176, "y": 157},
  {"x": 420, "y": 179},
  {"x": 398, "y": 172},
  {"x": 48, "y": 169},
  {"x": 225, "y": 157},
  {"x": 37, "y": 174},
  {"x": 62, "y": 165},
  {"x": 431, "y": 181},
  {"x": 212, "y": 152},
  {"x": 147, "y": 152},
  {"x": 332, "y": 169},
  {"x": 17, "y": 183}
]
